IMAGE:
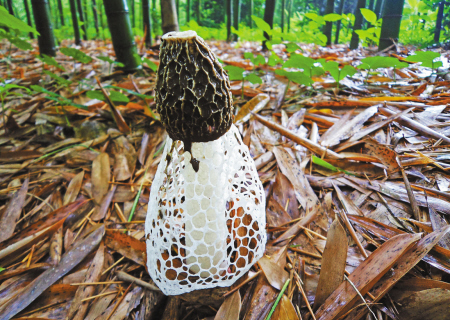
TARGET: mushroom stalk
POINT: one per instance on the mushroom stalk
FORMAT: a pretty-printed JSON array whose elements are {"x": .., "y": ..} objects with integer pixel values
[{"x": 205, "y": 224}]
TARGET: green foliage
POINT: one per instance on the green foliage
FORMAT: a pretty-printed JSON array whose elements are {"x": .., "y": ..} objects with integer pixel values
[
  {"x": 110, "y": 61},
  {"x": 56, "y": 97},
  {"x": 327, "y": 165},
  {"x": 9, "y": 21},
  {"x": 370, "y": 35},
  {"x": 295, "y": 76},
  {"x": 16, "y": 41},
  {"x": 428, "y": 59},
  {"x": 338, "y": 73},
  {"x": 381, "y": 62},
  {"x": 237, "y": 73},
  {"x": 76, "y": 54},
  {"x": 274, "y": 59},
  {"x": 58, "y": 79},
  {"x": 50, "y": 61},
  {"x": 150, "y": 64},
  {"x": 115, "y": 96},
  {"x": 256, "y": 60}
]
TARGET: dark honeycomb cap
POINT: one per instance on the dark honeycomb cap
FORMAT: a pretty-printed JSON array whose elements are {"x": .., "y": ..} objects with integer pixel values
[{"x": 193, "y": 94}]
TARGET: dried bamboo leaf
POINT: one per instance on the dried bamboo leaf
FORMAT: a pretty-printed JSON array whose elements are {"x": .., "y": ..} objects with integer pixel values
[{"x": 230, "y": 308}]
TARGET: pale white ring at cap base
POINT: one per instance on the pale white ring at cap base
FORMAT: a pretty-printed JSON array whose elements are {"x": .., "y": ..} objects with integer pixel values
[{"x": 180, "y": 35}]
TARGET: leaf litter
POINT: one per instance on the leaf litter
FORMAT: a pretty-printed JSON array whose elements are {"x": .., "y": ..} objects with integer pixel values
[{"x": 355, "y": 174}]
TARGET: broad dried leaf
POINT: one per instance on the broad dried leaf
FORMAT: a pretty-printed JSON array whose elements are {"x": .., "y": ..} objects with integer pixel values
[
  {"x": 125, "y": 158},
  {"x": 73, "y": 189},
  {"x": 386, "y": 155},
  {"x": 365, "y": 276},
  {"x": 70, "y": 259},
  {"x": 78, "y": 308},
  {"x": 275, "y": 274},
  {"x": 127, "y": 246},
  {"x": 100, "y": 177},
  {"x": 285, "y": 310},
  {"x": 254, "y": 105},
  {"x": 334, "y": 259},
  {"x": 230, "y": 308},
  {"x": 12, "y": 213},
  {"x": 427, "y": 304}
]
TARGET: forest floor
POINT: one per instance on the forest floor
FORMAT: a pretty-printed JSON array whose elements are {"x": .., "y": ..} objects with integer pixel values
[{"x": 356, "y": 181}]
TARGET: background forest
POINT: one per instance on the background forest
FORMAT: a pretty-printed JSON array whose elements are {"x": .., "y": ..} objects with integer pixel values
[{"x": 299, "y": 20}]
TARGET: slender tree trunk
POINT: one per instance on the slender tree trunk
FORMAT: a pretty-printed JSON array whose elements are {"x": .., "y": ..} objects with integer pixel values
[
  {"x": 378, "y": 8},
  {"x": 371, "y": 4},
  {"x": 61, "y": 12},
  {"x": 188, "y": 10},
  {"x": 339, "y": 23},
  {"x": 169, "y": 19},
  {"x": 358, "y": 23},
  {"x": 46, "y": 38},
  {"x": 198, "y": 12},
  {"x": 268, "y": 17},
  {"x": 392, "y": 18},
  {"x": 95, "y": 14},
  {"x": 121, "y": 34},
  {"x": 178, "y": 11},
  {"x": 10, "y": 7},
  {"x": 289, "y": 12},
  {"x": 236, "y": 14},
  {"x": 283, "y": 14},
  {"x": 76, "y": 28},
  {"x": 229, "y": 4},
  {"x": 439, "y": 18},
  {"x": 133, "y": 14},
  {"x": 147, "y": 22},
  {"x": 81, "y": 17},
  {"x": 251, "y": 13},
  {"x": 327, "y": 30},
  {"x": 27, "y": 11}
]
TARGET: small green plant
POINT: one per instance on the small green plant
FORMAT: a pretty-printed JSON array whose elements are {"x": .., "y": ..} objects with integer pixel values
[
  {"x": 429, "y": 59},
  {"x": 111, "y": 62},
  {"x": 76, "y": 54},
  {"x": 237, "y": 73},
  {"x": 115, "y": 96},
  {"x": 373, "y": 63},
  {"x": 6, "y": 89},
  {"x": 150, "y": 64},
  {"x": 50, "y": 61},
  {"x": 337, "y": 73},
  {"x": 372, "y": 34}
]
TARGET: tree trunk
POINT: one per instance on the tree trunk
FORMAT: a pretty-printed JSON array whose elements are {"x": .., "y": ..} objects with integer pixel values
[
  {"x": 46, "y": 38},
  {"x": 81, "y": 17},
  {"x": 178, "y": 11},
  {"x": 229, "y": 4},
  {"x": 338, "y": 24},
  {"x": 197, "y": 12},
  {"x": 236, "y": 14},
  {"x": 371, "y": 4},
  {"x": 61, "y": 12},
  {"x": 10, "y": 7},
  {"x": 188, "y": 10},
  {"x": 147, "y": 22},
  {"x": 268, "y": 18},
  {"x": 121, "y": 34},
  {"x": 133, "y": 14},
  {"x": 390, "y": 29},
  {"x": 283, "y": 13},
  {"x": 86, "y": 14},
  {"x": 30, "y": 23},
  {"x": 327, "y": 30},
  {"x": 169, "y": 19},
  {"x": 358, "y": 23},
  {"x": 289, "y": 12},
  {"x": 378, "y": 8},
  {"x": 76, "y": 28},
  {"x": 251, "y": 13},
  {"x": 95, "y": 14},
  {"x": 440, "y": 16}
]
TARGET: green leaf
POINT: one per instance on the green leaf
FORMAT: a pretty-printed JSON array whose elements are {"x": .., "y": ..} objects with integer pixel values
[
  {"x": 50, "y": 61},
  {"x": 299, "y": 61},
  {"x": 12, "y": 22},
  {"x": 56, "y": 97},
  {"x": 140, "y": 95},
  {"x": 347, "y": 70},
  {"x": 297, "y": 76},
  {"x": 274, "y": 59},
  {"x": 113, "y": 95},
  {"x": 18, "y": 42},
  {"x": 150, "y": 64},
  {"x": 383, "y": 62},
  {"x": 76, "y": 54},
  {"x": 111, "y": 61},
  {"x": 253, "y": 78},
  {"x": 259, "y": 59},
  {"x": 327, "y": 165},
  {"x": 248, "y": 55},
  {"x": 369, "y": 15},
  {"x": 427, "y": 58},
  {"x": 234, "y": 73},
  {"x": 333, "y": 68},
  {"x": 332, "y": 17},
  {"x": 58, "y": 79},
  {"x": 292, "y": 47},
  {"x": 261, "y": 24}
]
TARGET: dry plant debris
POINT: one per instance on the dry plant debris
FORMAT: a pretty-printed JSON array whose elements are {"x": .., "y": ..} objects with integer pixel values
[{"x": 355, "y": 178}]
